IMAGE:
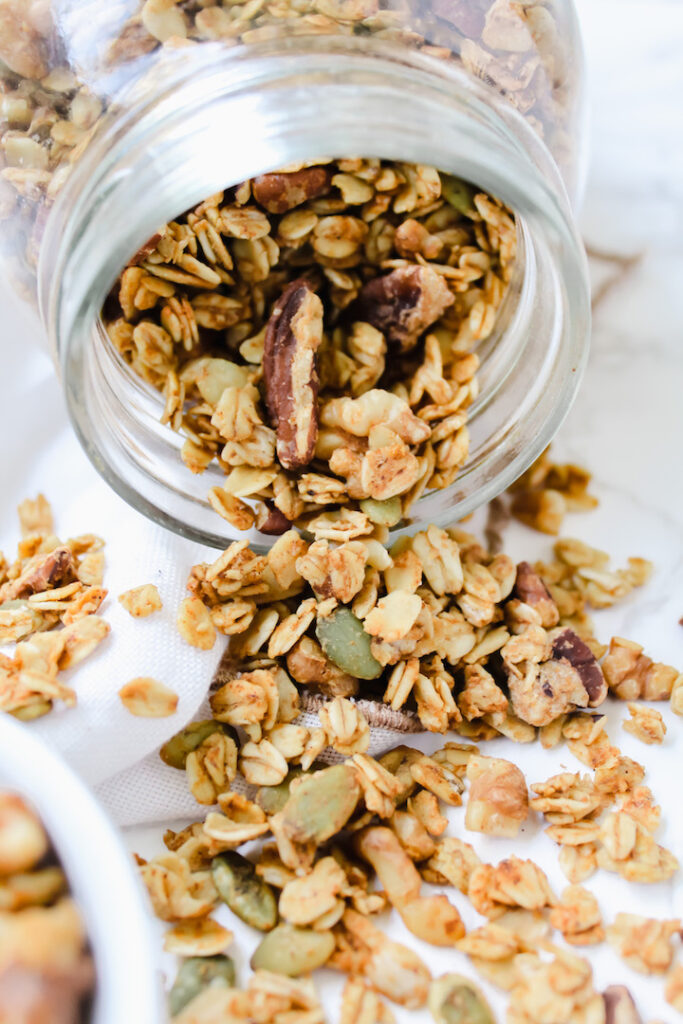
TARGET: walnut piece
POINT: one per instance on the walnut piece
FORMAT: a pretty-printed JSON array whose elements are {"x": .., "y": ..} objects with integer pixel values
[
  {"x": 531, "y": 590},
  {"x": 280, "y": 192},
  {"x": 498, "y": 801},
  {"x": 403, "y": 304},
  {"x": 293, "y": 336}
]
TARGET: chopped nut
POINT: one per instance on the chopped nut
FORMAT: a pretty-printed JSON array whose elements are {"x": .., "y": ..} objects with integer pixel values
[
  {"x": 403, "y": 304},
  {"x": 498, "y": 801},
  {"x": 293, "y": 336}
]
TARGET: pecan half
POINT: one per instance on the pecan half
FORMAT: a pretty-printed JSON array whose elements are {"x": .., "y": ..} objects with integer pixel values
[
  {"x": 293, "y": 335},
  {"x": 280, "y": 192},
  {"x": 530, "y": 588},
  {"x": 52, "y": 570},
  {"x": 570, "y": 649},
  {"x": 403, "y": 304},
  {"x": 619, "y": 1006}
]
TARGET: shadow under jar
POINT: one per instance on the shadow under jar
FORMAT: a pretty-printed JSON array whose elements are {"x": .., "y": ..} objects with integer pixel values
[{"x": 126, "y": 118}]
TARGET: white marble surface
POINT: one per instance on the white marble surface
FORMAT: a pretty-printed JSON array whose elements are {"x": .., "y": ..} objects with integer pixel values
[{"x": 627, "y": 426}]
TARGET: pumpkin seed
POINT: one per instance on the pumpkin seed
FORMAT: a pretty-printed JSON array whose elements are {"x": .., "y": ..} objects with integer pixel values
[
  {"x": 247, "y": 895},
  {"x": 174, "y": 752},
  {"x": 385, "y": 513},
  {"x": 321, "y": 804},
  {"x": 293, "y": 951},
  {"x": 458, "y": 194},
  {"x": 346, "y": 643},
  {"x": 272, "y": 799},
  {"x": 454, "y": 999},
  {"x": 197, "y": 973}
]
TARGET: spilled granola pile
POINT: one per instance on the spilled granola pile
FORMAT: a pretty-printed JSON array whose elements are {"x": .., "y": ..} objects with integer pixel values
[
  {"x": 478, "y": 647},
  {"x": 313, "y": 331},
  {"x": 46, "y": 973},
  {"x": 49, "y": 598}
]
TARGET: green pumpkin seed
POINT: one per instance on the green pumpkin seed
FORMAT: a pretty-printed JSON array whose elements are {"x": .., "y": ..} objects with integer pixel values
[
  {"x": 174, "y": 752},
  {"x": 384, "y": 513},
  {"x": 346, "y": 643},
  {"x": 197, "y": 973},
  {"x": 247, "y": 895},
  {"x": 293, "y": 951},
  {"x": 321, "y": 804},
  {"x": 271, "y": 799},
  {"x": 458, "y": 194},
  {"x": 454, "y": 999}
]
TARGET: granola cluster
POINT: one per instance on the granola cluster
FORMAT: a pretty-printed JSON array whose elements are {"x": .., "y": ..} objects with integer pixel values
[
  {"x": 346, "y": 841},
  {"x": 313, "y": 330},
  {"x": 478, "y": 646},
  {"x": 51, "y": 583},
  {"x": 54, "y": 90},
  {"x": 467, "y": 640},
  {"x": 45, "y": 970}
]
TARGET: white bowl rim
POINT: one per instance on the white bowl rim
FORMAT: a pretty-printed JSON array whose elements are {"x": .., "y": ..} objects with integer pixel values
[{"x": 101, "y": 876}]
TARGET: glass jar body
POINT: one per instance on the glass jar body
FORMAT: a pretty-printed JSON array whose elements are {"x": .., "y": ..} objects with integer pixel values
[{"x": 342, "y": 77}]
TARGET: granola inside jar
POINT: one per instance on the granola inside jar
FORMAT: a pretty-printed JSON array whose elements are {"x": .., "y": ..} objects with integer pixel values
[{"x": 301, "y": 259}]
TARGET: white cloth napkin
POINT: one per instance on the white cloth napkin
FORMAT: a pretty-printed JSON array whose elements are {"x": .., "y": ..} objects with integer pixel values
[{"x": 99, "y": 737}]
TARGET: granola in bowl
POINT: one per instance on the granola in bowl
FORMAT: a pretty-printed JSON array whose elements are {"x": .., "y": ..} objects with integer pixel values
[
  {"x": 46, "y": 973},
  {"x": 316, "y": 333}
]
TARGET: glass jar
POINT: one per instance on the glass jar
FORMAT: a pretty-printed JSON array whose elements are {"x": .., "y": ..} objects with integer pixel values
[{"x": 115, "y": 121}]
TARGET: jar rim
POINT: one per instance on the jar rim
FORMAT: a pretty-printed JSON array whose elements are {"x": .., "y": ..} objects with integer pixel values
[{"x": 415, "y": 108}]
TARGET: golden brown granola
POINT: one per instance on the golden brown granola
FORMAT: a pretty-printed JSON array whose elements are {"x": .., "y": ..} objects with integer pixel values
[
  {"x": 148, "y": 698},
  {"x": 50, "y": 584},
  {"x": 324, "y": 400},
  {"x": 44, "y": 962}
]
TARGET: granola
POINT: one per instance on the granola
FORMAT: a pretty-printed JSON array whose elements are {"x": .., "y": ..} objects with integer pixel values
[
  {"x": 326, "y": 399},
  {"x": 44, "y": 961},
  {"x": 57, "y": 90},
  {"x": 49, "y": 599}
]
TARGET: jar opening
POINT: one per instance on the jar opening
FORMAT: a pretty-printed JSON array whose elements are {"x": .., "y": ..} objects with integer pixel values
[{"x": 529, "y": 367}]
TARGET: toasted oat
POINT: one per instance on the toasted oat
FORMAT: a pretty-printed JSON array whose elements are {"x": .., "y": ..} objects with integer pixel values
[
  {"x": 346, "y": 726},
  {"x": 674, "y": 988},
  {"x": 148, "y": 698},
  {"x": 35, "y": 516},
  {"x": 141, "y": 601},
  {"x": 578, "y": 917},
  {"x": 197, "y": 938},
  {"x": 195, "y": 625},
  {"x": 646, "y": 724},
  {"x": 643, "y": 942}
]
